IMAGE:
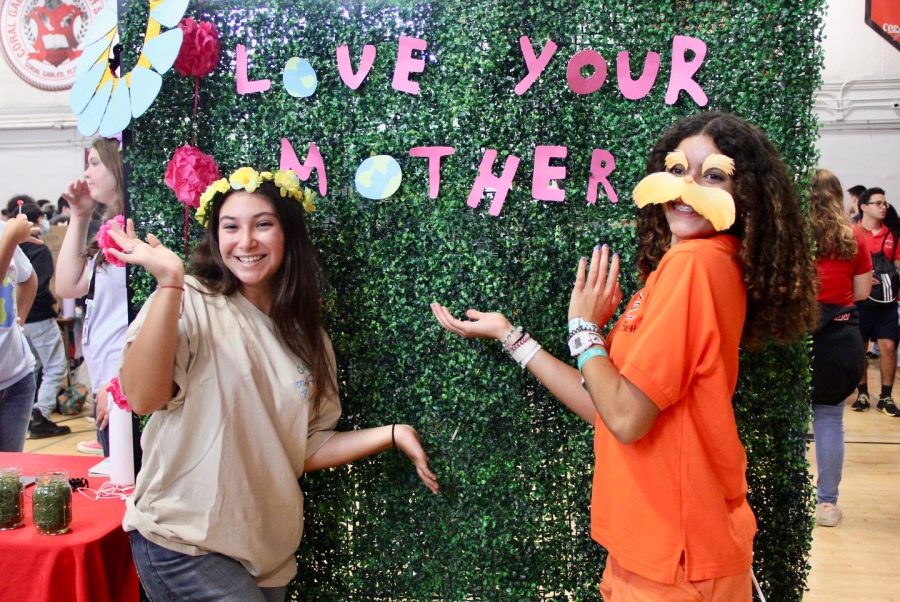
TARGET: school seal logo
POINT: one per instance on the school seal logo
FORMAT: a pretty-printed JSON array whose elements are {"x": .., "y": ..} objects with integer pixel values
[{"x": 40, "y": 39}]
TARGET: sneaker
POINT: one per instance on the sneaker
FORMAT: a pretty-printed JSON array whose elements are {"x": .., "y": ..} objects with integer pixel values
[
  {"x": 861, "y": 404},
  {"x": 92, "y": 448},
  {"x": 828, "y": 515},
  {"x": 887, "y": 406},
  {"x": 41, "y": 427}
]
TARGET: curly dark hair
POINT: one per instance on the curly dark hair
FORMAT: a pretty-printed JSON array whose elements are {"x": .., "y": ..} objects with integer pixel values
[
  {"x": 775, "y": 253},
  {"x": 296, "y": 307},
  {"x": 831, "y": 228}
]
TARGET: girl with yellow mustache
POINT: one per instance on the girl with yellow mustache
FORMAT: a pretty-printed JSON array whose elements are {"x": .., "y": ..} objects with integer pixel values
[{"x": 725, "y": 261}]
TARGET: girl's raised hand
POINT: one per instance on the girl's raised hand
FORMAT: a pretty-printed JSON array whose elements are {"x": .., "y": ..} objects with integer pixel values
[
  {"x": 152, "y": 255},
  {"x": 491, "y": 325},
  {"x": 18, "y": 229},
  {"x": 78, "y": 195},
  {"x": 596, "y": 293},
  {"x": 407, "y": 441}
]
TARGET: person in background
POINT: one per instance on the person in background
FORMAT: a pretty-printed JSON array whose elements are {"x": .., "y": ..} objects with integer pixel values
[
  {"x": 878, "y": 313},
  {"x": 42, "y": 332},
  {"x": 4, "y": 215},
  {"x": 62, "y": 215},
  {"x": 82, "y": 270},
  {"x": 725, "y": 263},
  {"x": 844, "y": 268},
  {"x": 49, "y": 211},
  {"x": 853, "y": 194},
  {"x": 18, "y": 285}
]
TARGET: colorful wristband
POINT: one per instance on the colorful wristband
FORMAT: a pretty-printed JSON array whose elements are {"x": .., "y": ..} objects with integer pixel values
[{"x": 592, "y": 352}]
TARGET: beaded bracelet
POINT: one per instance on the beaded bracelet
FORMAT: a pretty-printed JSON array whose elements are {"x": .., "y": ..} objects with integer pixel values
[
  {"x": 524, "y": 339},
  {"x": 590, "y": 328},
  {"x": 506, "y": 340}
]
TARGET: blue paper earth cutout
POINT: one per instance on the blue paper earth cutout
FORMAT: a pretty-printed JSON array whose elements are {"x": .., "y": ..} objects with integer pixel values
[
  {"x": 378, "y": 177},
  {"x": 299, "y": 78}
]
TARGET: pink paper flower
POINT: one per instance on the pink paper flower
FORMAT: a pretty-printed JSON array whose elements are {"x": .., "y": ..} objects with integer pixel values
[
  {"x": 200, "y": 49},
  {"x": 189, "y": 173},
  {"x": 106, "y": 241},
  {"x": 115, "y": 394}
]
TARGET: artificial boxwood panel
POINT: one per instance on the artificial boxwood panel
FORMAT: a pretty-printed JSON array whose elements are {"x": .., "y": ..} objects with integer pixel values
[{"x": 511, "y": 522}]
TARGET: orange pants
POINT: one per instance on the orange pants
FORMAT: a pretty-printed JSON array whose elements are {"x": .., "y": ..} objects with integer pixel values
[{"x": 621, "y": 585}]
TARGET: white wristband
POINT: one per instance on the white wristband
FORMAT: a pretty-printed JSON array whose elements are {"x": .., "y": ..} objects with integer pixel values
[
  {"x": 524, "y": 353},
  {"x": 531, "y": 355}
]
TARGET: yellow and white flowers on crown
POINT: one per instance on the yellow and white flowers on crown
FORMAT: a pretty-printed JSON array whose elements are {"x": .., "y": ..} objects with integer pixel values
[{"x": 247, "y": 178}]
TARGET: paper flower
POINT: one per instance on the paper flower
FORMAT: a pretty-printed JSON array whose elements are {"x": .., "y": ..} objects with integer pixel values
[
  {"x": 200, "y": 48},
  {"x": 115, "y": 394},
  {"x": 106, "y": 241},
  {"x": 105, "y": 101},
  {"x": 189, "y": 172}
]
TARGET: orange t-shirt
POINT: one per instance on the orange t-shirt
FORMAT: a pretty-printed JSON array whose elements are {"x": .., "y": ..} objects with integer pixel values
[{"x": 681, "y": 489}]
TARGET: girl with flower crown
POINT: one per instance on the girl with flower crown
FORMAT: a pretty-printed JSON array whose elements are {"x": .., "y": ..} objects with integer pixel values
[
  {"x": 725, "y": 261},
  {"x": 239, "y": 375}
]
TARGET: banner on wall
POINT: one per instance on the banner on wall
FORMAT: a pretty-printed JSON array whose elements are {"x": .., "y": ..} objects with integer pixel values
[
  {"x": 884, "y": 17},
  {"x": 41, "y": 39}
]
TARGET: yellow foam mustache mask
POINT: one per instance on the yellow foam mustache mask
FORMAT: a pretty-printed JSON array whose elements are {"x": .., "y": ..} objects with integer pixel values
[{"x": 714, "y": 204}]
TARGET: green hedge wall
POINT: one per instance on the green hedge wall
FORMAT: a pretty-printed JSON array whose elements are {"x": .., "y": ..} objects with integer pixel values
[{"x": 511, "y": 522}]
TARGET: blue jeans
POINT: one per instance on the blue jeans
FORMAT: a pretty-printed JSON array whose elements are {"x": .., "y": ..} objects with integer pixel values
[
  {"x": 828, "y": 430},
  {"x": 47, "y": 344},
  {"x": 168, "y": 575},
  {"x": 16, "y": 402}
]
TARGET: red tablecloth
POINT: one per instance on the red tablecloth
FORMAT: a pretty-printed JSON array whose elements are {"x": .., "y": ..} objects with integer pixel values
[{"x": 92, "y": 562}]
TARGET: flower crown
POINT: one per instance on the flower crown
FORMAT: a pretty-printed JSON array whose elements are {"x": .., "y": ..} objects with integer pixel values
[{"x": 247, "y": 178}]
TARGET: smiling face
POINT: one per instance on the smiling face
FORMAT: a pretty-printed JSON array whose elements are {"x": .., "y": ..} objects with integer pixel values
[
  {"x": 251, "y": 242},
  {"x": 684, "y": 222},
  {"x": 100, "y": 180}
]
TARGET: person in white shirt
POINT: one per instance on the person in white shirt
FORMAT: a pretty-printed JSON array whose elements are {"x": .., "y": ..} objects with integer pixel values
[{"x": 18, "y": 286}]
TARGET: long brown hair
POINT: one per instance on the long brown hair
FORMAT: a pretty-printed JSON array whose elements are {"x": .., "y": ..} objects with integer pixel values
[
  {"x": 108, "y": 151},
  {"x": 775, "y": 253},
  {"x": 296, "y": 307},
  {"x": 831, "y": 228}
]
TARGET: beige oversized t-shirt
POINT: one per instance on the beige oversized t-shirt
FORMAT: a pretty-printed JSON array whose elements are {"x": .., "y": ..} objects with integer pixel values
[{"x": 222, "y": 459}]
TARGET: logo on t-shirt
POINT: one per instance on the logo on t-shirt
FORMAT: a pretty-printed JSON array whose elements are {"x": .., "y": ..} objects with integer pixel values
[
  {"x": 7, "y": 304},
  {"x": 632, "y": 311},
  {"x": 305, "y": 382}
]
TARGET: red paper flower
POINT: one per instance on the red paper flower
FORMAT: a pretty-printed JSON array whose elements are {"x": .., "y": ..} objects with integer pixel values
[
  {"x": 106, "y": 241},
  {"x": 189, "y": 173},
  {"x": 115, "y": 394},
  {"x": 199, "y": 52}
]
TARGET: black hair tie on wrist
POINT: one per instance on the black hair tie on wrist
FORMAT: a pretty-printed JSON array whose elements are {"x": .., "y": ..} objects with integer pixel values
[{"x": 393, "y": 440}]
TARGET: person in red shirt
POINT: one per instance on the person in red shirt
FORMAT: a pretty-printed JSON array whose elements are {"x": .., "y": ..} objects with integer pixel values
[
  {"x": 844, "y": 267},
  {"x": 723, "y": 266},
  {"x": 878, "y": 313}
]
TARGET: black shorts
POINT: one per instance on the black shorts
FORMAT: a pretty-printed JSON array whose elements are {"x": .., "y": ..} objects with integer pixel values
[
  {"x": 878, "y": 321},
  {"x": 839, "y": 355}
]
